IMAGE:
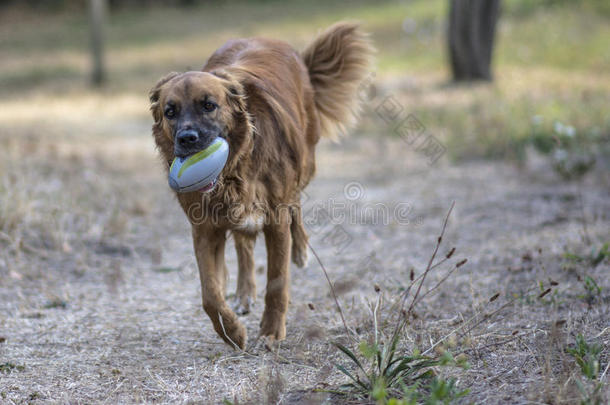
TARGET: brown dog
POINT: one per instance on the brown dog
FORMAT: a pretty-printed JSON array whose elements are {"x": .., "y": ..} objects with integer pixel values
[{"x": 272, "y": 105}]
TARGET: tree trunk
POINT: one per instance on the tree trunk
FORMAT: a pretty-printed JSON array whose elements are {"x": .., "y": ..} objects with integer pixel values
[
  {"x": 97, "y": 12},
  {"x": 472, "y": 26}
]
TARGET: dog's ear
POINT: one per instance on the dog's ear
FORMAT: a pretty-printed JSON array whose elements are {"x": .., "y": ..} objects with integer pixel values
[
  {"x": 241, "y": 128},
  {"x": 236, "y": 95},
  {"x": 155, "y": 93}
]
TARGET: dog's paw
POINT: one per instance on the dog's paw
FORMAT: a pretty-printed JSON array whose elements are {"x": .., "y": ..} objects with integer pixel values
[
  {"x": 227, "y": 325},
  {"x": 270, "y": 343},
  {"x": 242, "y": 305},
  {"x": 235, "y": 335},
  {"x": 263, "y": 343},
  {"x": 273, "y": 327},
  {"x": 300, "y": 257}
]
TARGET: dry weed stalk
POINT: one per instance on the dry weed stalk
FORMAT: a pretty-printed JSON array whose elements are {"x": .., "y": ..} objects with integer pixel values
[
  {"x": 406, "y": 315},
  {"x": 391, "y": 372},
  {"x": 332, "y": 290}
]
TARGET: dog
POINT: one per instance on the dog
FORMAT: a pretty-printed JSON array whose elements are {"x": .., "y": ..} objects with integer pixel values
[{"x": 272, "y": 105}]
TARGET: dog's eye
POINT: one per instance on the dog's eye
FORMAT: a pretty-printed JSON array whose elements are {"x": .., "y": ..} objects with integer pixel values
[
  {"x": 170, "y": 112},
  {"x": 208, "y": 106}
]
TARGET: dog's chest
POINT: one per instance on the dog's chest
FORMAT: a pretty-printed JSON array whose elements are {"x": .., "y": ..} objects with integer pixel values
[
  {"x": 239, "y": 216},
  {"x": 251, "y": 222}
]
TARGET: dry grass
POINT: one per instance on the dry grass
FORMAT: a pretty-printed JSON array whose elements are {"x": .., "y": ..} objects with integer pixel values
[{"x": 100, "y": 296}]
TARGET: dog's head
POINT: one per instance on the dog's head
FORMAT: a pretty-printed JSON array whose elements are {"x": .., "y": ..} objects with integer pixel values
[{"x": 191, "y": 109}]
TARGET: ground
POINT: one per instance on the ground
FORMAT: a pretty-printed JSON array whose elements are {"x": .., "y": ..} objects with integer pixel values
[
  {"x": 99, "y": 293},
  {"x": 113, "y": 314}
]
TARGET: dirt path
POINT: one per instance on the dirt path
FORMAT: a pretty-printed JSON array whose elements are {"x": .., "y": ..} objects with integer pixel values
[{"x": 116, "y": 318}]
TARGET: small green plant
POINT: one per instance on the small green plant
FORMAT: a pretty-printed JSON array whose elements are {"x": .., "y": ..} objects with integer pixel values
[
  {"x": 572, "y": 152},
  {"x": 602, "y": 254},
  {"x": 390, "y": 378},
  {"x": 438, "y": 391},
  {"x": 594, "y": 258},
  {"x": 587, "y": 356},
  {"x": 444, "y": 391},
  {"x": 9, "y": 367},
  {"x": 592, "y": 290},
  {"x": 386, "y": 375},
  {"x": 383, "y": 372}
]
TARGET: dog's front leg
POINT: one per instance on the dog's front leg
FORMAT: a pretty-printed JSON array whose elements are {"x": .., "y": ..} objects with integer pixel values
[
  {"x": 277, "y": 241},
  {"x": 209, "y": 249}
]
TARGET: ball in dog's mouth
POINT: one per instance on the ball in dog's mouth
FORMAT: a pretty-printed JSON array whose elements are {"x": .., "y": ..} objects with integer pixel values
[{"x": 200, "y": 171}]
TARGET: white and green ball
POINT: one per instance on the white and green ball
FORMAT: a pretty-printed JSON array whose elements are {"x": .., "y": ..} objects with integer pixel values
[{"x": 199, "y": 171}]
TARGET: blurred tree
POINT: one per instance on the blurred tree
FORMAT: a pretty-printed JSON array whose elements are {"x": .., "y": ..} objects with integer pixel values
[
  {"x": 472, "y": 26},
  {"x": 97, "y": 11}
]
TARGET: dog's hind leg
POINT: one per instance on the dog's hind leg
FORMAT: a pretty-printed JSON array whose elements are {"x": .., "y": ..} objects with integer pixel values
[
  {"x": 299, "y": 238},
  {"x": 246, "y": 284}
]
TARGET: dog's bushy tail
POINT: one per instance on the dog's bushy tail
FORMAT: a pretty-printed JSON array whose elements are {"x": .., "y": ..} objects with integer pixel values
[{"x": 338, "y": 60}]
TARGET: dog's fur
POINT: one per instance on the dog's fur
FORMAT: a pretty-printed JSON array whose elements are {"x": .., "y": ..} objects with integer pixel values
[{"x": 272, "y": 105}]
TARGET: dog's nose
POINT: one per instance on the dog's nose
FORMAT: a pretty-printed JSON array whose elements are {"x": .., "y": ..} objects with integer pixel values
[{"x": 187, "y": 137}]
